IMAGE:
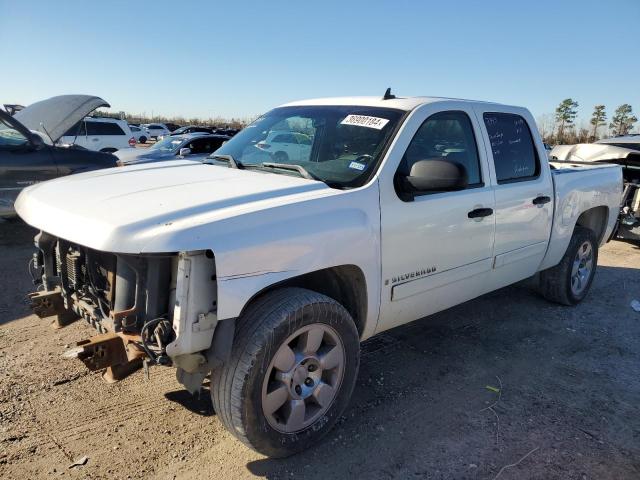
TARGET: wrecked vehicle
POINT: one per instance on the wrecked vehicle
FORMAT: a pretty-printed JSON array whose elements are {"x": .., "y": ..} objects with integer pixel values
[
  {"x": 623, "y": 151},
  {"x": 266, "y": 275},
  {"x": 28, "y": 150}
]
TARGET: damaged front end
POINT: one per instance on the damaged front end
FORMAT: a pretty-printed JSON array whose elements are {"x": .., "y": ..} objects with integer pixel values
[{"x": 158, "y": 309}]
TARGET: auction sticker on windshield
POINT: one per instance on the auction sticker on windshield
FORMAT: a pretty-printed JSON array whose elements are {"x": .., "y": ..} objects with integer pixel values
[{"x": 365, "y": 121}]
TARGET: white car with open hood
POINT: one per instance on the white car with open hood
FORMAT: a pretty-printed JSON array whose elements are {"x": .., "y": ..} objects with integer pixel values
[{"x": 266, "y": 273}]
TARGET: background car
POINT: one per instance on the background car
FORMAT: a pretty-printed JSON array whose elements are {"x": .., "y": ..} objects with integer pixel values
[
  {"x": 26, "y": 157},
  {"x": 101, "y": 134},
  {"x": 193, "y": 129},
  {"x": 285, "y": 146},
  {"x": 191, "y": 146},
  {"x": 140, "y": 133},
  {"x": 226, "y": 131},
  {"x": 156, "y": 129}
]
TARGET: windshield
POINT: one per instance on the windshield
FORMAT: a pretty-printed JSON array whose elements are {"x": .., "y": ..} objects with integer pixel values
[
  {"x": 167, "y": 144},
  {"x": 9, "y": 136},
  {"x": 339, "y": 145}
]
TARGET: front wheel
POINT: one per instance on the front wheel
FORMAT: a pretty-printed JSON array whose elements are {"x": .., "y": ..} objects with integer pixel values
[
  {"x": 292, "y": 370},
  {"x": 569, "y": 282}
]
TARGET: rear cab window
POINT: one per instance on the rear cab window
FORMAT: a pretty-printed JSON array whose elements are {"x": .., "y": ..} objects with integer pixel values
[{"x": 514, "y": 154}]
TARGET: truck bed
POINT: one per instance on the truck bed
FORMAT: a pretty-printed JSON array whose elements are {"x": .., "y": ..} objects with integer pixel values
[{"x": 579, "y": 186}]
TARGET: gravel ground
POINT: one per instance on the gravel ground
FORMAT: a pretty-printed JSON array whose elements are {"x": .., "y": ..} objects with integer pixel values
[{"x": 569, "y": 404}]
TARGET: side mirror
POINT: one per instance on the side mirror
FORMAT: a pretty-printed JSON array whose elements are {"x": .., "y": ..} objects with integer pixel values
[
  {"x": 184, "y": 152},
  {"x": 37, "y": 142},
  {"x": 435, "y": 176}
]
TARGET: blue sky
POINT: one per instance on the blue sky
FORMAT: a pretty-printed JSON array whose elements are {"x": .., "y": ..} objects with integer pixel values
[{"x": 237, "y": 58}]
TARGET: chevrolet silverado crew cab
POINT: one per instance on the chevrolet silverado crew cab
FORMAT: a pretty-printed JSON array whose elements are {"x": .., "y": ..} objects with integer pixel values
[{"x": 266, "y": 274}]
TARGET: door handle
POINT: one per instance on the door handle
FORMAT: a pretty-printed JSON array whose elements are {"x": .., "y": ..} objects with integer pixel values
[
  {"x": 480, "y": 212},
  {"x": 541, "y": 200}
]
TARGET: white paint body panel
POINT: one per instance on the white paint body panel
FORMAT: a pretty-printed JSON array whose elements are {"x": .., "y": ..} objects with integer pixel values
[{"x": 265, "y": 228}]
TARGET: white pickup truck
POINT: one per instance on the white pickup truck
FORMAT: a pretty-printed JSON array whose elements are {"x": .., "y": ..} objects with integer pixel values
[{"x": 266, "y": 265}]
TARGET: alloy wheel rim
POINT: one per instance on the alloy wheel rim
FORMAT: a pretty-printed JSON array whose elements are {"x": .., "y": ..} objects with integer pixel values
[
  {"x": 582, "y": 268},
  {"x": 303, "y": 378}
]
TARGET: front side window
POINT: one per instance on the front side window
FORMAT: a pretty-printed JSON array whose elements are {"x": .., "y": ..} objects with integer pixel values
[
  {"x": 10, "y": 138},
  {"x": 78, "y": 130},
  {"x": 445, "y": 136},
  {"x": 205, "y": 145},
  {"x": 339, "y": 145},
  {"x": 514, "y": 154}
]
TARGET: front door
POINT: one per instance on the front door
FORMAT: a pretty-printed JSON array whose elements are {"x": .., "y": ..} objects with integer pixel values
[{"x": 436, "y": 248}]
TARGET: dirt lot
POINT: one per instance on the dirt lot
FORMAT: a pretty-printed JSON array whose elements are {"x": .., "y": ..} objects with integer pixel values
[{"x": 570, "y": 396}]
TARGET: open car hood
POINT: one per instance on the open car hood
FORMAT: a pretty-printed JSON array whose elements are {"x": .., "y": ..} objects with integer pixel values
[{"x": 54, "y": 116}]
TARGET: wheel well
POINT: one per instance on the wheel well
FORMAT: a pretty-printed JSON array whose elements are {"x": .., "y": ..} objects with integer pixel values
[
  {"x": 109, "y": 150},
  {"x": 595, "y": 219},
  {"x": 346, "y": 284}
]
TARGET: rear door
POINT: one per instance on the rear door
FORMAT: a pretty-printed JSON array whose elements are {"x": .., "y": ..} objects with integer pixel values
[
  {"x": 523, "y": 191},
  {"x": 95, "y": 135},
  {"x": 285, "y": 148}
]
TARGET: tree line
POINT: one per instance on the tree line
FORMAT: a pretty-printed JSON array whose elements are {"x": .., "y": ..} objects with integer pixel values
[
  {"x": 219, "y": 122},
  {"x": 560, "y": 128}
]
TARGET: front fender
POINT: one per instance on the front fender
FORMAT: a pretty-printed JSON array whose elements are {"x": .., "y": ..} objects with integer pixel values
[{"x": 265, "y": 248}]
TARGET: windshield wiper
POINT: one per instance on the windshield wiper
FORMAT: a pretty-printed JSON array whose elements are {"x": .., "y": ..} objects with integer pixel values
[
  {"x": 289, "y": 166},
  {"x": 233, "y": 163}
]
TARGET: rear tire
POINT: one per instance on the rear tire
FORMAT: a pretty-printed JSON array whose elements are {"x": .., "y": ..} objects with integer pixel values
[
  {"x": 143, "y": 140},
  {"x": 281, "y": 157},
  {"x": 291, "y": 373},
  {"x": 569, "y": 282}
]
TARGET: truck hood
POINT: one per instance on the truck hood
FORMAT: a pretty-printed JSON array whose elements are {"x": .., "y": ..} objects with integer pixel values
[
  {"x": 56, "y": 115},
  {"x": 124, "y": 209}
]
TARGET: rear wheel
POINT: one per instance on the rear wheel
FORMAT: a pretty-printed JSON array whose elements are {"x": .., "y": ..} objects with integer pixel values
[
  {"x": 142, "y": 139},
  {"x": 281, "y": 157},
  {"x": 292, "y": 370},
  {"x": 569, "y": 281}
]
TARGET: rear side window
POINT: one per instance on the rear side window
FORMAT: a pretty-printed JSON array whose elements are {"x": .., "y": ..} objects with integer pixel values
[
  {"x": 514, "y": 154},
  {"x": 445, "y": 136},
  {"x": 104, "y": 128}
]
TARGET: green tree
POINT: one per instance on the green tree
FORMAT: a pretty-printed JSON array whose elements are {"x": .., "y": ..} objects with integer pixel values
[
  {"x": 622, "y": 120},
  {"x": 598, "y": 119},
  {"x": 565, "y": 116}
]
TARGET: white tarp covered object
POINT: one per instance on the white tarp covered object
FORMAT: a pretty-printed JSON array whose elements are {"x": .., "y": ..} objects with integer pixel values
[
  {"x": 54, "y": 116},
  {"x": 590, "y": 152}
]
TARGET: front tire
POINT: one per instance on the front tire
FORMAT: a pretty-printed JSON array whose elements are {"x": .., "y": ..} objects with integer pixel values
[
  {"x": 291, "y": 373},
  {"x": 569, "y": 282}
]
